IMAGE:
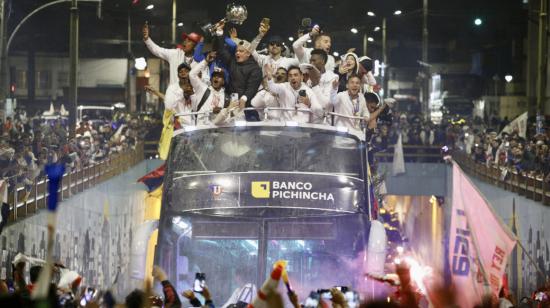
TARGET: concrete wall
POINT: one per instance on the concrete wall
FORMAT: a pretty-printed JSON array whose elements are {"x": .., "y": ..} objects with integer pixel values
[
  {"x": 420, "y": 179},
  {"x": 527, "y": 219},
  {"x": 94, "y": 231}
]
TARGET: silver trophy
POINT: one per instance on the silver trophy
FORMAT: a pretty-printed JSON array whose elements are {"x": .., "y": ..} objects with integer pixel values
[{"x": 234, "y": 13}]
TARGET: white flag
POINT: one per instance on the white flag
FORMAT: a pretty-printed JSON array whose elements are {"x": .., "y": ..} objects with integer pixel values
[
  {"x": 519, "y": 123},
  {"x": 398, "y": 165},
  {"x": 479, "y": 243}
]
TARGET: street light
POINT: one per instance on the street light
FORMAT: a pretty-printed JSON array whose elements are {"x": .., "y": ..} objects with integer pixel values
[
  {"x": 336, "y": 54},
  {"x": 370, "y": 39},
  {"x": 508, "y": 78},
  {"x": 354, "y": 30},
  {"x": 371, "y": 14},
  {"x": 478, "y": 22},
  {"x": 398, "y": 12},
  {"x": 291, "y": 39},
  {"x": 376, "y": 29},
  {"x": 150, "y": 7},
  {"x": 180, "y": 24}
]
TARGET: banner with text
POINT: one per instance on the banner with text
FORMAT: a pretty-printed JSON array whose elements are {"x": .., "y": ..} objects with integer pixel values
[{"x": 479, "y": 243}]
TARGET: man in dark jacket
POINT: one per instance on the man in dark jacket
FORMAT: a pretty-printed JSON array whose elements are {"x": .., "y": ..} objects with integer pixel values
[{"x": 246, "y": 74}]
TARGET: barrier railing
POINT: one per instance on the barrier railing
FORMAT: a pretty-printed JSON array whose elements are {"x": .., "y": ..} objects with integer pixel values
[
  {"x": 412, "y": 153},
  {"x": 532, "y": 188},
  {"x": 26, "y": 202}
]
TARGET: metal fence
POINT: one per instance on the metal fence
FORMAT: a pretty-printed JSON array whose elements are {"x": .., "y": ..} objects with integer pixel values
[
  {"x": 25, "y": 202},
  {"x": 529, "y": 187},
  {"x": 412, "y": 154}
]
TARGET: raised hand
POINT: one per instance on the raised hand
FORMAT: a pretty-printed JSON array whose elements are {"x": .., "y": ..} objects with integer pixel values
[
  {"x": 315, "y": 31},
  {"x": 233, "y": 33},
  {"x": 268, "y": 69},
  {"x": 263, "y": 29},
  {"x": 145, "y": 31}
]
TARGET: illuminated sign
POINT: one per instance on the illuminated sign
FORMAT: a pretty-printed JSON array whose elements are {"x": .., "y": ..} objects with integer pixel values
[{"x": 288, "y": 190}]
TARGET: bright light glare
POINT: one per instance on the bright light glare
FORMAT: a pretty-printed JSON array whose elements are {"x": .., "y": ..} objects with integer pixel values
[
  {"x": 419, "y": 273},
  {"x": 180, "y": 24},
  {"x": 371, "y": 14},
  {"x": 370, "y": 39},
  {"x": 342, "y": 129},
  {"x": 150, "y": 7},
  {"x": 478, "y": 22},
  {"x": 336, "y": 54},
  {"x": 240, "y": 123},
  {"x": 140, "y": 63},
  {"x": 376, "y": 29},
  {"x": 291, "y": 39},
  {"x": 508, "y": 78},
  {"x": 353, "y": 30},
  {"x": 400, "y": 249},
  {"x": 398, "y": 12}
]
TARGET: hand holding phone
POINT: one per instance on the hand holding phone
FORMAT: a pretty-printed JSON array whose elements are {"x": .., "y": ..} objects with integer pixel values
[{"x": 200, "y": 282}]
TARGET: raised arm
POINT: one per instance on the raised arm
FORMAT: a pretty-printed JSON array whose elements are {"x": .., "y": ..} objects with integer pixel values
[
  {"x": 298, "y": 45},
  {"x": 218, "y": 46},
  {"x": 155, "y": 49},
  {"x": 196, "y": 82}
]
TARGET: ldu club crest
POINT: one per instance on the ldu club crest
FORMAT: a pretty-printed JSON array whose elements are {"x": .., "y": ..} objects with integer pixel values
[{"x": 216, "y": 190}]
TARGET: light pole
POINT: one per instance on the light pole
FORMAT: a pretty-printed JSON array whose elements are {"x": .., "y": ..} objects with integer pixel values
[
  {"x": 73, "y": 56},
  {"x": 174, "y": 10},
  {"x": 73, "y": 52},
  {"x": 385, "y": 58}
]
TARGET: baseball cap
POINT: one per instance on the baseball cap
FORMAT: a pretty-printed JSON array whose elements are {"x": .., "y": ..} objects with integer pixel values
[{"x": 192, "y": 37}]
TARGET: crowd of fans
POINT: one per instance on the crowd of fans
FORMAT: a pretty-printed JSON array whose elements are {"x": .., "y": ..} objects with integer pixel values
[
  {"x": 67, "y": 289},
  {"x": 29, "y": 143}
]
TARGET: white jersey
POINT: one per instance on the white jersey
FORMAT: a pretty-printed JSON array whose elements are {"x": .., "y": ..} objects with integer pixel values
[
  {"x": 174, "y": 56},
  {"x": 345, "y": 105},
  {"x": 176, "y": 101},
  {"x": 288, "y": 98},
  {"x": 215, "y": 98}
]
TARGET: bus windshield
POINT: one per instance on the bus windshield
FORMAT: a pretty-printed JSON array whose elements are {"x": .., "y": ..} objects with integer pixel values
[{"x": 279, "y": 149}]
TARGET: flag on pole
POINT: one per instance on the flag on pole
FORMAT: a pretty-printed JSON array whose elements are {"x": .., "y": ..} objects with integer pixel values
[
  {"x": 55, "y": 174},
  {"x": 153, "y": 179},
  {"x": 519, "y": 124},
  {"x": 479, "y": 243},
  {"x": 398, "y": 166}
]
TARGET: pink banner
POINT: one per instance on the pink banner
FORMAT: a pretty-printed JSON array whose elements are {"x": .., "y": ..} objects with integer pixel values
[{"x": 479, "y": 243}]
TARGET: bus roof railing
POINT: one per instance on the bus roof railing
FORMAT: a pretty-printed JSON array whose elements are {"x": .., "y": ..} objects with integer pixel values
[{"x": 266, "y": 111}]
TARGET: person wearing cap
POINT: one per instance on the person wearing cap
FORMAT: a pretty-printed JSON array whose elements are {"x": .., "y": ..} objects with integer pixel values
[
  {"x": 211, "y": 97},
  {"x": 246, "y": 75},
  {"x": 320, "y": 41},
  {"x": 265, "y": 98},
  {"x": 174, "y": 56},
  {"x": 275, "y": 48},
  {"x": 291, "y": 95},
  {"x": 180, "y": 97}
]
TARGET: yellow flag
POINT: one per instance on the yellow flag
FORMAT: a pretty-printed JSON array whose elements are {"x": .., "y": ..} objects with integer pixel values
[{"x": 167, "y": 133}]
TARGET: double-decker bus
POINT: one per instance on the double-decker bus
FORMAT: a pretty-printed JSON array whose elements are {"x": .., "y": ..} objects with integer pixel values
[{"x": 239, "y": 197}]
